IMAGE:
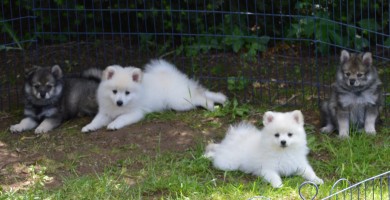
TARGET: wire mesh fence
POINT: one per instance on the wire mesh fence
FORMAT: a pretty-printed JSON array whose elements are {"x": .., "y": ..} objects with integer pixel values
[
  {"x": 373, "y": 188},
  {"x": 263, "y": 52},
  {"x": 376, "y": 187}
]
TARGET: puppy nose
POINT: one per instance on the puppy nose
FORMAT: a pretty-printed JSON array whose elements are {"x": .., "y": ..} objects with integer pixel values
[
  {"x": 42, "y": 94},
  {"x": 119, "y": 103},
  {"x": 283, "y": 142},
  {"x": 352, "y": 81}
]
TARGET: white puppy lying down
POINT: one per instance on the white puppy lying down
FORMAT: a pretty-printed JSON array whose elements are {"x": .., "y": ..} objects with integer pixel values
[
  {"x": 126, "y": 94},
  {"x": 279, "y": 149}
]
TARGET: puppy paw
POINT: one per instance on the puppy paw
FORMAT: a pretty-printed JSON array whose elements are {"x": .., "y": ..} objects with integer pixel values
[
  {"x": 370, "y": 130},
  {"x": 327, "y": 129},
  {"x": 343, "y": 137},
  {"x": 17, "y": 128},
  {"x": 114, "y": 126},
  {"x": 41, "y": 130},
  {"x": 343, "y": 134},
  {"x": 317, "y": 181},
  {"x": 210, "y": 106},
  {"x": 220, "y": 98},
  {"x": 277, "y": 184},
  {"x": 88, "y": 128}
]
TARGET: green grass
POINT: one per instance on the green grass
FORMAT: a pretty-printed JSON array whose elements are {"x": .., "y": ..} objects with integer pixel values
[{"x": 188, "y": 175}]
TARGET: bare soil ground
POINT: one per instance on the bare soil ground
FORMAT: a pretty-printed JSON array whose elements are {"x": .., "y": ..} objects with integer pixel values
[{"x": 69, "y": 152}]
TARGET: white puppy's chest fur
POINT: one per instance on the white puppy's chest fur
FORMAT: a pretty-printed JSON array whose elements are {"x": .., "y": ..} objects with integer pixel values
[
  {"x": 287, "y": 164},
  {"x": 286, "y": 161}
]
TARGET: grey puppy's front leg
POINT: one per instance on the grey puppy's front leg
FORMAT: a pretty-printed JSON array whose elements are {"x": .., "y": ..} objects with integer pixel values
[
  {"x": 343, "y": 123},
  {"x": 369, "y": 122},
  {"x": 47, "y": 125}
]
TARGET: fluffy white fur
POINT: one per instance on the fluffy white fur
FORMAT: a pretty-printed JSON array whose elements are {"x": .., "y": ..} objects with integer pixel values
[
  {"x": 126, "y": 94},
  {"x": 279, "y": 149}
]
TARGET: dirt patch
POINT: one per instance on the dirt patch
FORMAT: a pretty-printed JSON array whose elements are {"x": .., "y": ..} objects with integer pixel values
[{"x": 68, "y": 152}]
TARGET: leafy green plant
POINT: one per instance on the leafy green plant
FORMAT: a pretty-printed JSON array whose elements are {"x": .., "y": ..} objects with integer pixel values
[
  {"x": 232, "y": 108},
  {"x": 38, "y": 175},
  {"x": 236, "y": 38},
  {"x": 239, "y": 83},
  {"x": 237, "y": 110},
  {"x": 328, "y": 26},
  {"x": 319, "y": 27}
]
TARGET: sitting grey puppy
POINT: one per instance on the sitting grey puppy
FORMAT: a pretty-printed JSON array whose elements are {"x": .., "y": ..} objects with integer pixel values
[{"x": 356, "y": 96}]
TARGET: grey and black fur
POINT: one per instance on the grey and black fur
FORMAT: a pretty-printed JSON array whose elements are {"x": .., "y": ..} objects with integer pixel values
[
  {"x": 356, "y": 97},
  {"x": 51, "y": 98}
]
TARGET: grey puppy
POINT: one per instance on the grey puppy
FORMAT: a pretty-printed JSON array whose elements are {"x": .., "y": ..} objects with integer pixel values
[
  {"x": 356, "y": 96},
  {"x": 51, "y": 98}
]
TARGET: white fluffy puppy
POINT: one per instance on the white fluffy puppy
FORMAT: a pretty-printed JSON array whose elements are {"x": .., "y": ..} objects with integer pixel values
[
  {"x": 126, "y": 94},
  {"x": 279, "y": 149}
]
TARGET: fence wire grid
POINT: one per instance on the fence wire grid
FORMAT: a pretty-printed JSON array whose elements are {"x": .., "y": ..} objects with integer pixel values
[
  {"x": 376, "y": 187},
  {"x": 267, "y": 52}
]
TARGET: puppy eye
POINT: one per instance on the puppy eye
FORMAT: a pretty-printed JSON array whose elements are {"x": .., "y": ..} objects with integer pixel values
[
  {"x": 359, "y": 75},
  {"x": 49, "y": 87},
  {"x": 36, "y": 86},
  {"x": 289, "y": 134},
  {"x": 114, "y": 91},
  {"x": 127, "y": 92},
  {"x": 348, "y": 74},
  {"x": 277, "y": 135}
]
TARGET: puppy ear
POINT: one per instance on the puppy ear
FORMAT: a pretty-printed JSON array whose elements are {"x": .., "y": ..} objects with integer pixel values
[
  {"x": 367, "y": 59},
  {"x": 298, "y": 117},
  {"x": 268, "y": 117},
  {"x": 29, "y": 72},
  {"x": 108, "y": 73},
  {"x": 137, "y": 75},
  {"x": 344, "y": 56},
  {"x": 56, "y": 71}
]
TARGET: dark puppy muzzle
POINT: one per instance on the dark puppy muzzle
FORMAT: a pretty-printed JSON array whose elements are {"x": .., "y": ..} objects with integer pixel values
[{"x": 42, "y": 94}]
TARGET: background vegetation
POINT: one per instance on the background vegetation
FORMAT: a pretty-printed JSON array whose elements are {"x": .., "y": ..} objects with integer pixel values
[{"x": 194, "y": 27}]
